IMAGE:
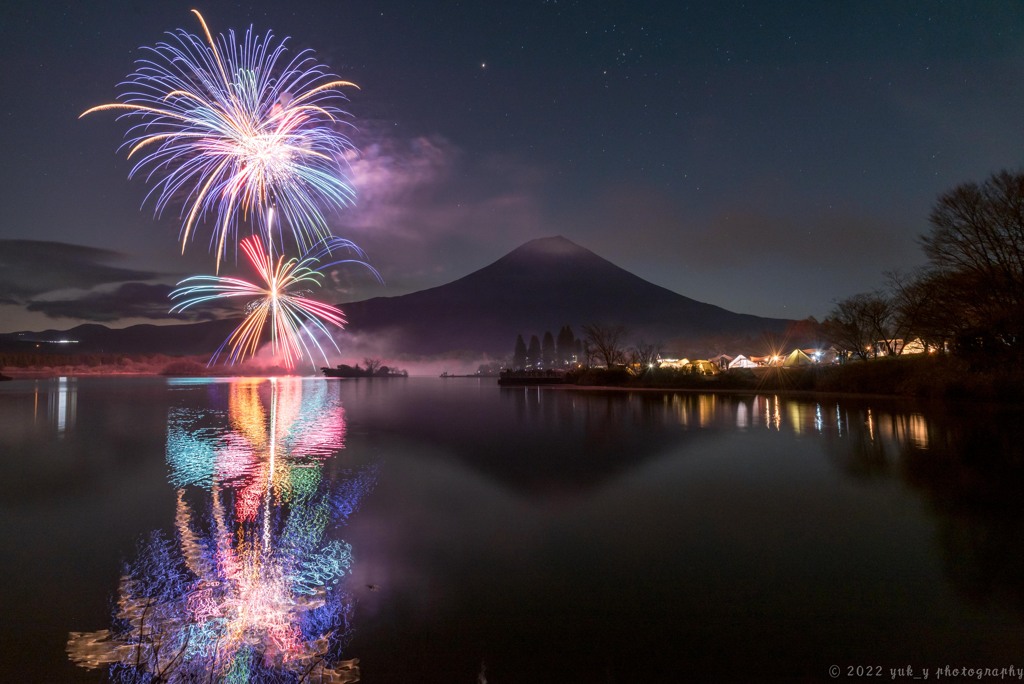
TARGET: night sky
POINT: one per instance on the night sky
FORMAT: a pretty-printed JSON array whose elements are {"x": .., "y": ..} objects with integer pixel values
[{"x": 769, "y": 158}]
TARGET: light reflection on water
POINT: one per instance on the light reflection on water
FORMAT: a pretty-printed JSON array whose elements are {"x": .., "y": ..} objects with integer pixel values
[
  {"x": 251, "y": 588},
  {"x": 64, "y": 406},
  {"x": 766, "y": 412},
  {"x": 59, "y": 397},
  {"x": 536, "y": 535}
]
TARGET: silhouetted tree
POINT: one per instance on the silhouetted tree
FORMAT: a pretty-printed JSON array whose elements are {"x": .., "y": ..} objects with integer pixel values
[
  {"x": 858, "y": 323},
  {"x": 605, "y": 342},
  {"x": 919, "y": 315},
  {"x": 533, "y": 352},
  {"x": 975, "y": 270},
  {"x": 547, "y": 350},
  {"x": 644, "y": 355},
  {"x": 566, "y": 346},
  {"x": 519, "y": 355}
]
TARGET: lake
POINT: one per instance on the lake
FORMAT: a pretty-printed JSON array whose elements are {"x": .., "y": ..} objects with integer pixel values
[{"x": 447, "y": 530}]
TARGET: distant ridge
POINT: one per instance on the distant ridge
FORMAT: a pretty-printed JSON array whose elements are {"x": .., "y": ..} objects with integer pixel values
[
  {"x": 183, "y": 339},
  {"x": 540, "y": 286}
]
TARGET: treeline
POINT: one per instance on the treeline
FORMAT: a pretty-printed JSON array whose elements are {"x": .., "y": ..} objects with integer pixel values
[
  {"x": 601, "y": 345},
  {"x": 375, "y": 368},
  {"x": 967, "y": 299},
  {"x": 17, "y": 359},
  {"x": 549, "y": 351}
]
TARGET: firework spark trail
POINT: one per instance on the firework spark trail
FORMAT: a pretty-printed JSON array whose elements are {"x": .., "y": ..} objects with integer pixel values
[
  {"x": 279, "y": 302},
  {"x": 238, "y": 129}
]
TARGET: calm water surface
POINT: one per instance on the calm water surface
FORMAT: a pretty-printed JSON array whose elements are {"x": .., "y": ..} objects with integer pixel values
[{"x": 451, "y": 531}]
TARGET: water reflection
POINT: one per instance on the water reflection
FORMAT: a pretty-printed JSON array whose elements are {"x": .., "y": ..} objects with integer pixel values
[
  {"x": 969, "y": 467},
  {"x": 559, "y": 535},
  {"x": 63, "y": 404},
  {"x": 250, "y": 586},
  {"x": 533, "y": 436},
  {"x": 773, "y": 412},
  {"x": 642, "y": 535}
]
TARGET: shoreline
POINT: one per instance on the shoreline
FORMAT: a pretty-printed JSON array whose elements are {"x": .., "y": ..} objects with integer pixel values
[
  {"x": 927, "y": 393},
  {"x": 39, "y": 374},
  {"x": 799, "y": 394}
]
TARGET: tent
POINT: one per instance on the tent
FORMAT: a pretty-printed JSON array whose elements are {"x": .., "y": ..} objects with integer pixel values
[
  {"x": 701, "y": 367},
  {"x": 672, "y": 361},
  {"x": 722, "y": 360},
  {"x": 797, "y": 357},
  {"x": 742, "y": 361}
]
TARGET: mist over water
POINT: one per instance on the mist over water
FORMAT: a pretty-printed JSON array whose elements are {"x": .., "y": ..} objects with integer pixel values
[{"x": 440, "y": 529}]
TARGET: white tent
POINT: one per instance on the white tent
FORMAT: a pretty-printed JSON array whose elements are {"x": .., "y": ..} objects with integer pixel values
[{"x": 742, "y": 361}]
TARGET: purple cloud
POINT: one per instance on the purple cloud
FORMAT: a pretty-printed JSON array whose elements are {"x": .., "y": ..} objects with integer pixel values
[{"x": 424, "y": 206}]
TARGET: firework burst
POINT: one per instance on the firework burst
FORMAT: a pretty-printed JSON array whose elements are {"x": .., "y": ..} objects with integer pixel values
[
  {"x": 236, "y": 128},
  {"x": 281, "y": 303}
]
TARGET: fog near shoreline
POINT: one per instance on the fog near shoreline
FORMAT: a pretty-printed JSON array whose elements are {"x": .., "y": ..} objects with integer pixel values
[{"x": 467, "y": 364}]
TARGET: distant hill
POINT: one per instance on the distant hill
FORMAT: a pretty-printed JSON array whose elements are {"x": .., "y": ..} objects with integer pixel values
[
  {"x": 541, "y": 286},
  {"x": 174, "y": 340}
]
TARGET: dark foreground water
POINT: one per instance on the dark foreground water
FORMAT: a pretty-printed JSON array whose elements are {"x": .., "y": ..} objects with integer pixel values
[{"x": 451, "y": 531}]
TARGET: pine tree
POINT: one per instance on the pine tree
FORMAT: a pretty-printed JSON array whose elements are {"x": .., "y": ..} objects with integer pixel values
[
  {"x": 533, "y": 352},
  {"x": 566, "y": 346},
  {"x": 519, "y": 355},
  {"x": 547, "y": 350}
]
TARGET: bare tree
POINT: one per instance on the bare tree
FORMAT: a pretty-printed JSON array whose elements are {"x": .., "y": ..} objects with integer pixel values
[
  {"x": 975, "y": 273},
  {"x": 605, "y": 341},
  {"x": 372, "y": 365},
  {"x": 916, "y": 311},
  {"x": 860, "y": 323},
  {"x": 644, "y": 355},
  {"x": 880, "y": 318}
]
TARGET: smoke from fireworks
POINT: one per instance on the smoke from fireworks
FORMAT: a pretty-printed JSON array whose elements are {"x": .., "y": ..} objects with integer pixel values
[
  {"x": 237, "y": 128},
  {"x": 281, "y": 302}
]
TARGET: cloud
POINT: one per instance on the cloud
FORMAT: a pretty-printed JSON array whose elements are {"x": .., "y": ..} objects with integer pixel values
[
  {"x": 395, "y": 177},
  {"x": 127, "y": 300},
  {"x": 426, "y": 196},
  {"x": 29, "y": 268}
]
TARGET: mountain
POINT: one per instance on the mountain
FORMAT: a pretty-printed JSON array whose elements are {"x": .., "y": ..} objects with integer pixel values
[
  {"x": 541, "y": 286},
  {"x": 174, "y": 340}
]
